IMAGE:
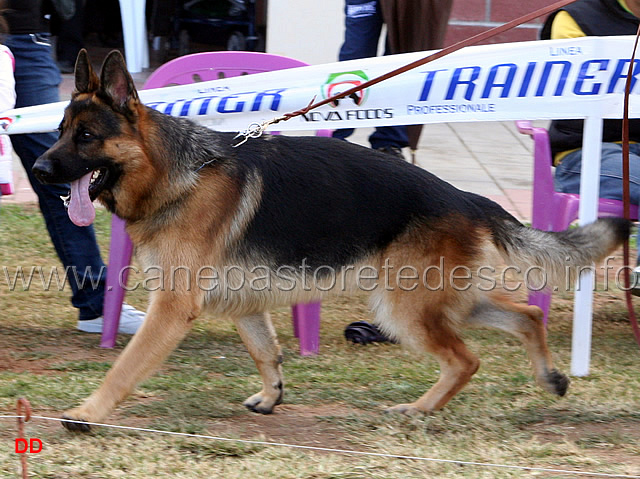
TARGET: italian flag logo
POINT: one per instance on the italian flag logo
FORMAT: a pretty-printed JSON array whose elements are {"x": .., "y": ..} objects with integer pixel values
[{"x": 340, "y": 82}]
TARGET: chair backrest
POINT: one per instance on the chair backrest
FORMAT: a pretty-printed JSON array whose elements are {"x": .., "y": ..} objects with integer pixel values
[
  {"x": 206, "y": 66},
  {"x": 215, "y": 65},
  {"x": 543, "y": 189}
]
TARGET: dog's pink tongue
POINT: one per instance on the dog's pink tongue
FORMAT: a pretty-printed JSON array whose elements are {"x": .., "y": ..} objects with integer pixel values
[{"x": 81, "y": 210}]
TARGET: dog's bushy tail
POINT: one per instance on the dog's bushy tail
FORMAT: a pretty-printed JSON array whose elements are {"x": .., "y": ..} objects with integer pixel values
[{"x": 550, "y": 256}]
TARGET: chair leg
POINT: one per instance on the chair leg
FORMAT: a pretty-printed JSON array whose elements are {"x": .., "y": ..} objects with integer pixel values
[
  {"x": 542, "y": 299},
  {"x": 306, "y": 327},
  {"x": 121, "y": 250},
  {"x": 541, "y": 220},
  {"x": 564, "y": 214}
]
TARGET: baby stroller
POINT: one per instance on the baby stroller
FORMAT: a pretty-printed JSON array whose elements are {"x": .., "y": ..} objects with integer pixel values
[{"x": 227, "y": 22}]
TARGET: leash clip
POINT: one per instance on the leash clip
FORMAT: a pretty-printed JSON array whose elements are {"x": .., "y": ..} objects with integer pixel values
[{"x": 255, "y": 130}]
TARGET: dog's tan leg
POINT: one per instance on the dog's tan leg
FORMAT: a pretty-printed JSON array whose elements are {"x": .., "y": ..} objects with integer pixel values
[
  {"x": 525, "y": 323},
  {"x": 259, "y": 336},
  {"x": 168, "y": 320},
  {"x": 423, "y": 324},
  {"x": 457, "y": 366}
]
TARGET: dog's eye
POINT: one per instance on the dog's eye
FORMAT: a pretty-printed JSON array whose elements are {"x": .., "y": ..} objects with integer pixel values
[{"x": 86, "y": 135}]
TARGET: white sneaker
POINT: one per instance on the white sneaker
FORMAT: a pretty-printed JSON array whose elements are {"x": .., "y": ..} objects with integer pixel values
[{"x": 130, "y": 321}]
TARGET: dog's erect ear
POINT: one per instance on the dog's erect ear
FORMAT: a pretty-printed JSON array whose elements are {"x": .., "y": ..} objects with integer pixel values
[
  {"x": 86, "y": 79},
  {"x": 116, "y": 82}
]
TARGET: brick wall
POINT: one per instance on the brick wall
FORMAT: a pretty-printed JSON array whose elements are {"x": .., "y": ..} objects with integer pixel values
[{"x": 470, "y": 17}]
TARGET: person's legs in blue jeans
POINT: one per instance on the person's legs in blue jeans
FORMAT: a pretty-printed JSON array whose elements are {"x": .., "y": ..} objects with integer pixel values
[
  {"x": 37, "y": 80},
  {"x": 363, "y": 25},
  {"x": 567, "y": 176},
  {"x": 389, "y": 136}
]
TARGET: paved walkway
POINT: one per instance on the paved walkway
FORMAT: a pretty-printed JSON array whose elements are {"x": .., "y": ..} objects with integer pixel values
[{"x": 488, "y": 158}]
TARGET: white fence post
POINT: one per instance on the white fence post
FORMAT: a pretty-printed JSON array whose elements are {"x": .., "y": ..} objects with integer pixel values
[{"x": 588, "y": 212}]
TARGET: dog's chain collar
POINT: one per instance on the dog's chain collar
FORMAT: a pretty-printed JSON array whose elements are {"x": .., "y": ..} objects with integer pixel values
[{"x": 254, "y": 130}]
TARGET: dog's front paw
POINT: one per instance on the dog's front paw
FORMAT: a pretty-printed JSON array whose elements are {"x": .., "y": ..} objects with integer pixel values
[
  {"x": 74, "y": 420},
  {"x": 264, "y": 402},
  {"x": 258, "y": 403},
  {"x": 406, "y": 409}
]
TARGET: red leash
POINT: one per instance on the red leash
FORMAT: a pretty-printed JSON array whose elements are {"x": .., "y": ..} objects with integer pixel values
[{"x": 625, "y": 191}]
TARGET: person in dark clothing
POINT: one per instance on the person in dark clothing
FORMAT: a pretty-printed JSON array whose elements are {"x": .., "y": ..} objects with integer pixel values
[
  {"x": 363, "y": 25},
  {"x": 36, "y": 82},
  {"x": 68, "y": 26},
  {"x": 412, "y": 25}
]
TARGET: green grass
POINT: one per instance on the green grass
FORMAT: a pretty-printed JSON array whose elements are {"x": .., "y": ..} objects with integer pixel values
[{"x": 333, "y": 400}]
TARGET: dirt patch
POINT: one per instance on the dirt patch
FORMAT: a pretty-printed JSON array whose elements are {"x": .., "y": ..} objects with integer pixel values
[
  {"x": 18, "y": 356},
  {"x": 604, "y": 441},
  {"x": 291, "y": 424}
]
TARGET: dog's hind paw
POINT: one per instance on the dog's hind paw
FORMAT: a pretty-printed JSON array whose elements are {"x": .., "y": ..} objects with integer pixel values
[
  {"x": 559, "y": 381},
  {"x": 556, "y": 382}
]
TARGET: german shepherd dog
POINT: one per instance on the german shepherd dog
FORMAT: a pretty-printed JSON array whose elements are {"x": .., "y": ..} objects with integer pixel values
[{"x": 305, "y": 206}]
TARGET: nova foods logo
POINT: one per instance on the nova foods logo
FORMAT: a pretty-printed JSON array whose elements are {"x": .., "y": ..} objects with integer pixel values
[{"x": 340, "y": 82}]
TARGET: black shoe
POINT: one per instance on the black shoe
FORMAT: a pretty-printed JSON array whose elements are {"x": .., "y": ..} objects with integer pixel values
[
  {"x": 392, "y": 150},
  {"x": 362, "y": 332}
]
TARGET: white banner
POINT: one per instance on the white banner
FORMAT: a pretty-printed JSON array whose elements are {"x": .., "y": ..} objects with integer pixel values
[{"x": 528, "y": 80}]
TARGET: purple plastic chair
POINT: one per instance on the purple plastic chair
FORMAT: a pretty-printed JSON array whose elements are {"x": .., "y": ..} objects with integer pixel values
[
  {"x": 184, "y": 70},
  {"x": 554, "y": 211}
]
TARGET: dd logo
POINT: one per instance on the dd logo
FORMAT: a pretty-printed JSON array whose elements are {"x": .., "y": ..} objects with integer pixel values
[{"x": 33, "y": 446}]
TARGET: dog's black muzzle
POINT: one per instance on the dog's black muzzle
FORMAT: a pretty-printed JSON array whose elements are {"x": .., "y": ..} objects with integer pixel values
[{"x": 44, "y": 170}]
